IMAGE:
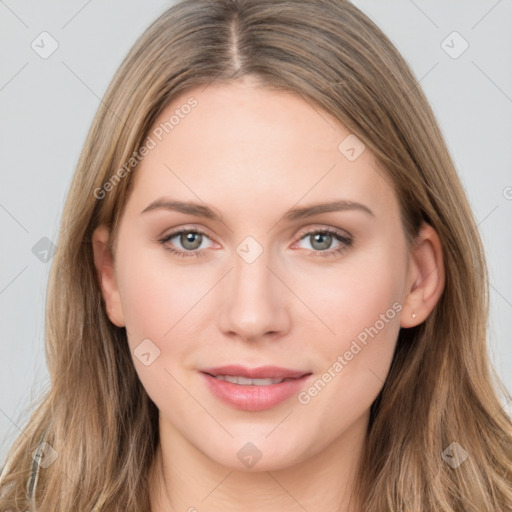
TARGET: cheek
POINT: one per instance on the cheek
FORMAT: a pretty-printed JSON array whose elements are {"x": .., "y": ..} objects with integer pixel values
[
  {"x": 161, "y": 300},
  {"x": 361, "y": 303},
  {"x": 156, "y": 292},
  {"x": 156, "y": 296},
  {"x": 354, "y": 295}
]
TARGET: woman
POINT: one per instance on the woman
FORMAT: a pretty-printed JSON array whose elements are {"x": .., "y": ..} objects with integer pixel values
[{"x": 270, "y": 292}]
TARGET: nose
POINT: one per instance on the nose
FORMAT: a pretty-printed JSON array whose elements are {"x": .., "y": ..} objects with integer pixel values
[{"x": 254, "y": 302}]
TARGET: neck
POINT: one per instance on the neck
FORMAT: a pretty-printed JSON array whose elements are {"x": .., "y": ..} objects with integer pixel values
[{"x": 184, "y": 479}]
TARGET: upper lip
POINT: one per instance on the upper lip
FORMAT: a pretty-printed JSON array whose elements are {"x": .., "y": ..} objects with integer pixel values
[{"x": 262, "y": 372}]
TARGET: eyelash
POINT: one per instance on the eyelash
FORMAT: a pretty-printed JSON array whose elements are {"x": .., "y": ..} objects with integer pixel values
[{"x": 346, "y": 242}]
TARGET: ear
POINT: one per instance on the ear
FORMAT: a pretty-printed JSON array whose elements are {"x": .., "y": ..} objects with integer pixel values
[
  {"x": 104, "y": 263},
  {"x": 426, "y": 277}
]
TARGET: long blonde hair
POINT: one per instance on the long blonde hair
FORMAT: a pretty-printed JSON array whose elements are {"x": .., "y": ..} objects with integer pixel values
[{"x": 441, "y": 388}]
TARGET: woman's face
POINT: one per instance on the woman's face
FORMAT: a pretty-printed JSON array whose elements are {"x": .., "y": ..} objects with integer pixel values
[{"x": 273, "y": 279}]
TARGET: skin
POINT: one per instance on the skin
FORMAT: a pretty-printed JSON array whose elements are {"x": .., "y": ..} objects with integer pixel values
[{"x": 251, "y": 154}]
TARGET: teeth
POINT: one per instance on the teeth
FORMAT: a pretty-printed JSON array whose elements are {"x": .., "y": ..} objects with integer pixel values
[{"x": 244, "y": 381}]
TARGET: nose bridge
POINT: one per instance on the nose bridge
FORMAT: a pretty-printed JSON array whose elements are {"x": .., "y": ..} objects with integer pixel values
[
  {"x": 252, "y": 304},
  {"x": 251, "y": 279}
]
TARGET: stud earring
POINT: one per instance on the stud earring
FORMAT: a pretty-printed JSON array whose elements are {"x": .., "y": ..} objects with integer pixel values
[{"x": 413, "y": 315}]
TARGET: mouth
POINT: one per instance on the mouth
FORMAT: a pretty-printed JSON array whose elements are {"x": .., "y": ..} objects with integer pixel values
[
  {"x": 244, "y": 381},
  {"x": 255, "y": 389},
  {"x": 259, "y": 373}
]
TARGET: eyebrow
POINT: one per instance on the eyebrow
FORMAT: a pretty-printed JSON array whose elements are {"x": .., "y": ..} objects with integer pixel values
[{"x": 200, "y": 210}]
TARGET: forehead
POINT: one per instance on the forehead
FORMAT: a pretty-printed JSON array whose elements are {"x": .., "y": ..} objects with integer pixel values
[{"x": 242, "y": 145}]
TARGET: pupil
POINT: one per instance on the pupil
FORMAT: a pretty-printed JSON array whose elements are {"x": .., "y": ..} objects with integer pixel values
[
  {"x": 324, "y": 239},
  {"x": 187, "y": 240}
]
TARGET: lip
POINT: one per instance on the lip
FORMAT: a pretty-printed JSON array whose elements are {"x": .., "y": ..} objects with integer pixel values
[{"x": 255, "y": 398}]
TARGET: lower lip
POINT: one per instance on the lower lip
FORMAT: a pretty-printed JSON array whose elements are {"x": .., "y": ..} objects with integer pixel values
[{"x": 254, "y": 398}]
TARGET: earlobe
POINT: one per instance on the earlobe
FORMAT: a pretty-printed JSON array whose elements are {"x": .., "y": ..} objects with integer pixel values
[
  {"x": 426, "y": 277},
  {"x": 104, "y": 263}
]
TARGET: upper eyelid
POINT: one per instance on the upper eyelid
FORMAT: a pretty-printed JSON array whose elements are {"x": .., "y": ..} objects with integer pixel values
[{"x": 320, "y": 228}]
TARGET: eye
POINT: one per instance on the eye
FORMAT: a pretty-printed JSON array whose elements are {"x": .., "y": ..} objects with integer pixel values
[
  {"x": 191, "y": 240},
  {"x": 321, "y": 241}
]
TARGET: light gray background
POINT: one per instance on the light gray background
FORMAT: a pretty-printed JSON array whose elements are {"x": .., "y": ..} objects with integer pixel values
[{"x": 47, "y": 105}]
